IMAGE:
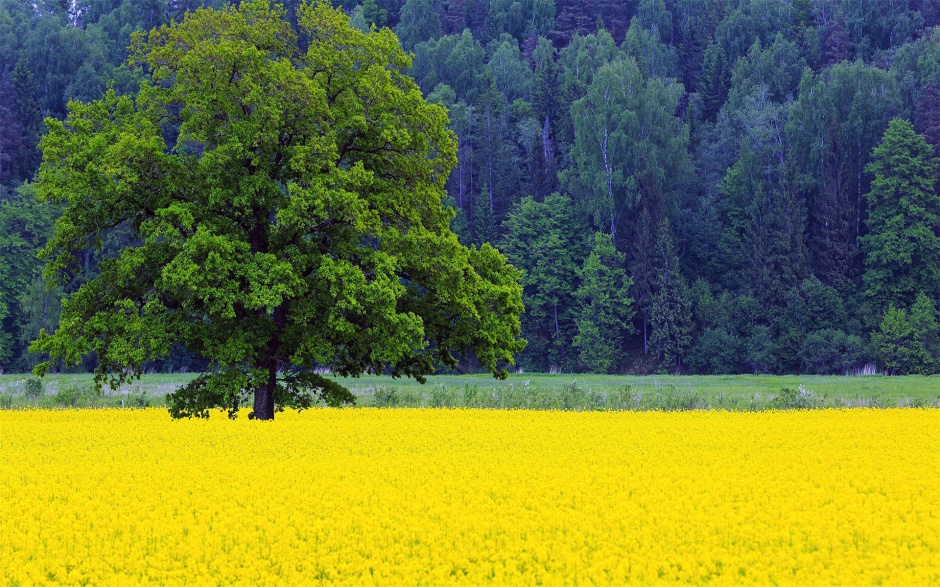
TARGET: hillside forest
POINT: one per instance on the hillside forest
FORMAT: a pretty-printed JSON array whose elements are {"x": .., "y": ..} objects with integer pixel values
[{"x": 688, "y": 186}]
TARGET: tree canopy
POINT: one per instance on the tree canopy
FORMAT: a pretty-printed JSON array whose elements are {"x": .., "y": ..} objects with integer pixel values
[
  {"x": 748, "y": 125},
  {"x": 286, "y": 213}
]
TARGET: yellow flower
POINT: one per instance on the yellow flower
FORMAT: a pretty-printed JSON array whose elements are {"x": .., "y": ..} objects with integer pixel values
[{"x": 431, "y": 497}]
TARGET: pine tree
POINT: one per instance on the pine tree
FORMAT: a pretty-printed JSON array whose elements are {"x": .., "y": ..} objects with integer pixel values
[
  {"x": 716, "y": 80},
  {"x": 484, "y": 226},
  {"x": 29, "y": 118},
  {"x": 927, "y": 116},
  {"x": 643, "y": 269},
  {"x": 671, "y": 306},
  {"x": 902, "y": 249},
  {"x": 11, "y": 131}
]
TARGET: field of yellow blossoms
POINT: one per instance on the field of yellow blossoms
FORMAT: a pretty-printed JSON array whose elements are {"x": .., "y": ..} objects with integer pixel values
[{"x": 421, "y": 496}]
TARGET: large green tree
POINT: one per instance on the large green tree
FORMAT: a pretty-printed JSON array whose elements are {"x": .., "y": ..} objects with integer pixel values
[
  {"x": 287, "y": 209},
  {"x": 606, "y": 308},
  {"x": 544, "y": 240},
  {"x": 902, "y": 248},
  {"x": 629, "y": 146}
]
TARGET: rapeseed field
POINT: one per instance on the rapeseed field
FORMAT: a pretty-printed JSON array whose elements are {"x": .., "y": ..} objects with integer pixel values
[{"x": 424, "y": 496}]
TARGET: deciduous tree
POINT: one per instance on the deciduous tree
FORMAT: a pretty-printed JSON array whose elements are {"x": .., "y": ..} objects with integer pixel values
[{"x": 294, "y": 221}]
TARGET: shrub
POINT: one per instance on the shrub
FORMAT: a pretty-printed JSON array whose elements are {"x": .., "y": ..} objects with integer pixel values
[
  {"x": 572, "y": 396},
  {"x": 794, "y": 399},
  {"x": 410, "y": 399},
  {"x": 34, "y": 388},
  {"x": 385, "y": 397},
  {"x": 717, "y": 351},
  {"x": 831, "y": 352},
  {"x": 138, "y": 399},
  {"x": 470, "y": 393},
  {"x": 6, "y": 401},
  {"x": 69, "y": 395},
  {"x": 672, "y": 399}
]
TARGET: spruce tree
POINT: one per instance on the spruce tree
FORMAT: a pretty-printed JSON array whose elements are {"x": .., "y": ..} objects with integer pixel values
[
  {"x": 671, "y": 307},
  {"x": 902, "y": 249}
]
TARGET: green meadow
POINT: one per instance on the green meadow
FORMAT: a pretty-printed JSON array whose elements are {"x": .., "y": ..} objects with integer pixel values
[{"x": 530, "y": 391}]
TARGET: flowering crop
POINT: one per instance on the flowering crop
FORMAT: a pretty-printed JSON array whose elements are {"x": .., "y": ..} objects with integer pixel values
[{"x": 471, "y": 496}]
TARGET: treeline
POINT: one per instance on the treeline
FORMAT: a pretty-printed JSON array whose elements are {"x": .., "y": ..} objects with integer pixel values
[{"x": 709, "y": 186}]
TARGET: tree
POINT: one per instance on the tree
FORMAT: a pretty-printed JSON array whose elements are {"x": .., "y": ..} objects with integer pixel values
[
  {"x": 925, "y": 322},
  {"x": 653, "y": 56},
  {"x": 25, "y": 225},
  {"x": 295, "y": 221},
  {"x": 606, "y": 309},
  {"x": 835, "y": 123},
  {"x": 629, "y": 145},
  {"x": 671, "y": 305},
  {"x": 544, "y": 241},
  {"x": 831, "y": 352},
  {"x": 419, "y": 21},
  {"x": 897, "y": 346},
  {"x": 11, "y": 131},
  {"x": 30, "y": 119},
  {"x": 374, "y": 14},
  {"x": 902, "y": 249},
  {"x": 716, "y": 79}
]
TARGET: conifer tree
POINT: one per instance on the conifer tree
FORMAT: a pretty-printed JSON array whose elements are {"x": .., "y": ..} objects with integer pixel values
[
  {"x": 902, "y": 249},
  {"x": 671, "y": 305}
]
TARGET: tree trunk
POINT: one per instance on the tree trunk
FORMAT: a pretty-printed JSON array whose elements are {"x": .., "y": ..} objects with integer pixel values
[{"x": 264, "y": 396}]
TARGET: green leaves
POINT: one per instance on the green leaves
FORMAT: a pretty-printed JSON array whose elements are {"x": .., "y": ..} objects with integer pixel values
[
  {"x": 606, "y": 307},
  {"x": 629, "y": 147},
  {"x": 286, "y": 212},
  {"x": 903, "y": 245}
]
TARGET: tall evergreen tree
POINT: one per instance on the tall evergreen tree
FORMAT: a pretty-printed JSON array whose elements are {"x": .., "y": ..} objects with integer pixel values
[
  {"x": 716, "y": 80},
  {"x": 902, "y": 249},
  {"x": 837, "y": 119},
  {"x": 671, "y": 304},
  {"x": 29, "y": 117}
]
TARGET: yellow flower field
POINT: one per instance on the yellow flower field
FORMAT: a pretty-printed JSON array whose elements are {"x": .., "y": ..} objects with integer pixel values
[{"x": 370, "y": 496}]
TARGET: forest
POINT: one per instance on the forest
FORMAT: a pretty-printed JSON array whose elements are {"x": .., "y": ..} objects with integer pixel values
[{"x": 688, "y": 186}]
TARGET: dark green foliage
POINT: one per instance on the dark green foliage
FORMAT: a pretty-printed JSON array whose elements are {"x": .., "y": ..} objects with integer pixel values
[
  {"x": 418, "y": 21},
  {"x": 907, "y": 342},
  {"x": 606, "y": 307},
  {"x": 25, "y": 225},
  {"x": 832, "y": 352},
  {"x": 838, "y": 118},
  {"x": 670, "y": 306},
  {"x": 897, "y": 345},
  {"x": 902, "y": 249},
  {"x": 750, "y": 126},
  {"x": 545, "y": 241},
  {"x": 297, "y": 222},
  {"x": 718, "y": 351}
]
